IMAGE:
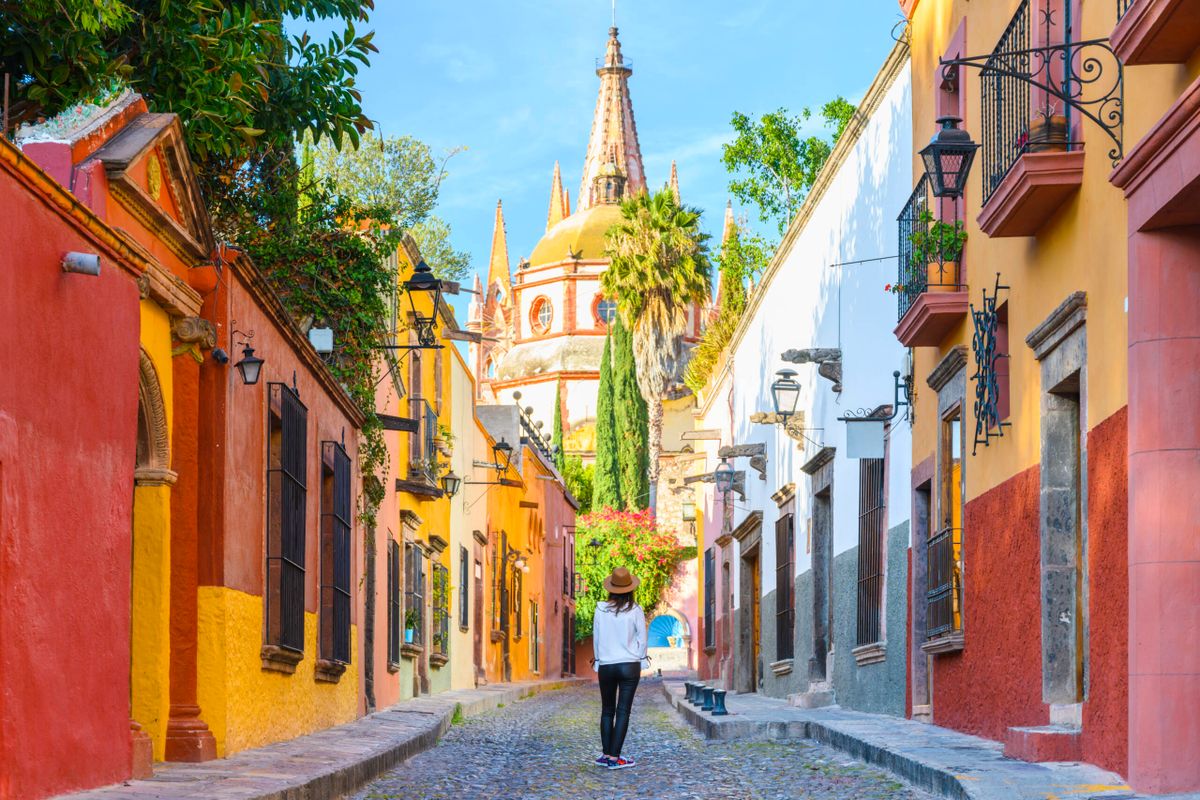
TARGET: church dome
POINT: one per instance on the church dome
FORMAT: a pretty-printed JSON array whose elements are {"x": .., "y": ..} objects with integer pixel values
[{"x": 582, "y": 234}]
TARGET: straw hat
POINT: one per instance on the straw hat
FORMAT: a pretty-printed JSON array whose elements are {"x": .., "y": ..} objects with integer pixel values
[{"x": 621, "y": 581}]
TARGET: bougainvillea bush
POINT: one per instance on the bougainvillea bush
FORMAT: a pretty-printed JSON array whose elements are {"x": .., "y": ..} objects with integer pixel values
[{"x": 607, "y": 539}]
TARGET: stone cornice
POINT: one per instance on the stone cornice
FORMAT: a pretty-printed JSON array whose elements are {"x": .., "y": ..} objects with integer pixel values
[
  {"x": 747, "y": 526},
  {"x": 954, "y": 360},
  {"x": 823, "y": 457},
  {"x": 1062, "y": 321}
]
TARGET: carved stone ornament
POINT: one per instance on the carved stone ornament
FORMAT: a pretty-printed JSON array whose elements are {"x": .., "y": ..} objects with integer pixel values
[
  {"x": 794, "y": 428},
  {"x": 153, "y": 467},
  {"x": 757, "y": 453},
  {"x": 195, "y": 330},
  {"x": 143, "y": 284},
  {"x": 827, "y": 359}
]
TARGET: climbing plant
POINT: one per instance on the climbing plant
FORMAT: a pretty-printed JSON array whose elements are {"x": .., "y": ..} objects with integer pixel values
[{"x": 606, "y": 539}]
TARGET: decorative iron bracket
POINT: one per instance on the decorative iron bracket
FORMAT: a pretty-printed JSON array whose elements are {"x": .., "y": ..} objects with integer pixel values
[
  {"x": 987, "y": 387},
  {"x": 903, "y": 389},
  {"x": 1072, "y": 72}
]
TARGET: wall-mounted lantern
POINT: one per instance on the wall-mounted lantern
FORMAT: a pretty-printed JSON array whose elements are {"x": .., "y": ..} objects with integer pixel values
[
  {"x": 723, "y": 477},
  {"x": 502, "y": 452},
  {"x": 450, "y": 484},
  {"x": 688, "y": 510},
  {"x": 785, "y": 393},
  {"x": 249, "y": 366},
  {"x": 948, "y": 158},
  {"x": 424, "y": 282}
]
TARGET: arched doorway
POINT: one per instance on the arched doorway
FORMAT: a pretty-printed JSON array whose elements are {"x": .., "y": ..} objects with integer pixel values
[
  {"x": 149, "y": 685},
  {"x": 669, "y": 640}
]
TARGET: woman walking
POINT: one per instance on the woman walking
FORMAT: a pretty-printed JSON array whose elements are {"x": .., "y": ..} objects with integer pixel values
[{"x": 619, "y": 646}]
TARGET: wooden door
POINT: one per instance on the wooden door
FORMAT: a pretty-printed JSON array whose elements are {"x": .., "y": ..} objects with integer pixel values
[{"x": 755, "y": 622}]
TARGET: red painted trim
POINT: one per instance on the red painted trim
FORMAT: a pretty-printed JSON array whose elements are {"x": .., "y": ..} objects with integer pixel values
[
  {"x": 1158, "y": 32},
  {"x": 1030, "y": 194},
  {"x": 908, "y": 8},
  {"x": 931, "y": 317}
]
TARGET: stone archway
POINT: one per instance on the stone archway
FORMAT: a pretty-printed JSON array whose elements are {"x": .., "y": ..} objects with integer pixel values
[
  {"x": 150, "y": 591},
  {"x": 672, "y": 657}
]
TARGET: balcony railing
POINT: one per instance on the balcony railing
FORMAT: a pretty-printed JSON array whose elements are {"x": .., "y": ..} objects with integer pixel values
[
  {"x": 1123, "y": 6},
  {"x": 911, "y": 280},
  {"x": 944, "y": 579}
]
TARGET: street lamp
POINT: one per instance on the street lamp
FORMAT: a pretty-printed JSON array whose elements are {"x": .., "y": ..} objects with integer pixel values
[
  {"x": 785, "y": 392},
  {"x": 502, "y": 452},
  {"x": 688, "y": 510},
  {"x": 450, "y": 484},
  {"x": 723, "y": 477},
  {"x": 424, "y": 282},
  {"x": 948, "y": 158},
  {"x": 249, "y": 366}
]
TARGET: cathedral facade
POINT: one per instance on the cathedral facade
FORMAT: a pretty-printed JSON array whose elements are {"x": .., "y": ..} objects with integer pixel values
[{"x": 542, "y": 328}]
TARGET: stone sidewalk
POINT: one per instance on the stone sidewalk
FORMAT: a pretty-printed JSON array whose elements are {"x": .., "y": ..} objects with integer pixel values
[
  {"x": 326, "y": 764},
  {"x": 939, "y": 760}
]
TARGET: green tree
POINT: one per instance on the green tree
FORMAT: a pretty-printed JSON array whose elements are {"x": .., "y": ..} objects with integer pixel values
[
  {"x": 560, "y": 455},
  {"x": 579, "y": 480},
  {"x": 632, "y": 422},
  {"x": 432, "y": 236},
  {"x": 774, "y": 164},
  {"x": 658, "y": 269},
  {"x": 606, "y": 491}
]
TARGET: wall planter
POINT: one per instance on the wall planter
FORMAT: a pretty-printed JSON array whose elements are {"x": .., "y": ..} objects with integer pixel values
[
  {"x": 941, "y": 276},
  {"x": 1048, "y": 133}
]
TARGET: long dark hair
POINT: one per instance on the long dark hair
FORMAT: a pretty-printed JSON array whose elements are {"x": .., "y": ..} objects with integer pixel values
[{"x": 620, "y": 602}]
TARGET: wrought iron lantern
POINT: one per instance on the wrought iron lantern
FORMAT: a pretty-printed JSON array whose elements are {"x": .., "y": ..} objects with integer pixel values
[
  {"x": 502, "y": 451},
  {"x": 688, "y": 510},
  {"x": 450, "y": 483},
  {"x": 250, "y": 366},
  {"x": 948, "y": 158},
  {"x": 785, "y": 392},
  {"x": 723, "y": 477},
  {"x": 423, "y": 282}
]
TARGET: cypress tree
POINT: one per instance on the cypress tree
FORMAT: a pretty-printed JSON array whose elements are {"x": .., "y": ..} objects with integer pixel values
[
  {"x": 606, "y": 492},
  {"x": 633, "y": 422},
  {"x": 560, "y": 456}
]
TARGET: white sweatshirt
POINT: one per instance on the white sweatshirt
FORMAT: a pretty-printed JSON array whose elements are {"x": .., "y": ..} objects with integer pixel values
[{"x": 618, "y": 638}]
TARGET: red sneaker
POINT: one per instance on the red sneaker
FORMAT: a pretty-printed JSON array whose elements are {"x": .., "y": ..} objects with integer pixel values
[{"x": 621, "y": 763}]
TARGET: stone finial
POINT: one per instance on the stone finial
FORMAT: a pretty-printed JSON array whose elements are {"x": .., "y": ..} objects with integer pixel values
[{"x": 827, "y": 359}]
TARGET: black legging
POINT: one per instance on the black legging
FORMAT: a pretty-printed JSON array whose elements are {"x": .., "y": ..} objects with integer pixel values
[{"x": 614, "y": 710}]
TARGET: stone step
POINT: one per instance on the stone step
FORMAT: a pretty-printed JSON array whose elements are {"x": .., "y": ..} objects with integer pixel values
[{"x": 1044, "y": 743}]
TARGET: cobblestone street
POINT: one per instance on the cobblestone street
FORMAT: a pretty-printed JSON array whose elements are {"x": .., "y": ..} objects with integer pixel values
[{"x": 542, "y": 748}]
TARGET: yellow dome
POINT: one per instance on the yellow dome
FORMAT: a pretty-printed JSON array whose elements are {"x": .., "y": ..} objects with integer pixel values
[{"x": 582, "y": 233}]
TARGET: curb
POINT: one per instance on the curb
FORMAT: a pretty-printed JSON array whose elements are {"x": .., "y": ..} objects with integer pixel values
[{"x": 923, "y": 776}]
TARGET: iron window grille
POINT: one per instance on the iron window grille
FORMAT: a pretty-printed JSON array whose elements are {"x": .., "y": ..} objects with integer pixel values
[
  {"x": 710, "y": 598},
  {"x": 1123, "y": 7},
  {"x": 534, "y": 644},
  {"x": 393, "y": 606},
  {"x": 912, "y": 278},
  {"x": 568, "y": 642},
  {"x": 518, "y": 582},
  {"x": 785, "y": 613},
  {"x": 286, "y": 506},
  {"x": 870, "y": 550},
  {"x": 414, "y": 592},
  {"x": 464, "y": 595},
  {"x": 944, "y": 596},
  {"x": 986, "y": 347},
  {"x": 441, "y": 609},
  {"x": 335, "y": 553}
]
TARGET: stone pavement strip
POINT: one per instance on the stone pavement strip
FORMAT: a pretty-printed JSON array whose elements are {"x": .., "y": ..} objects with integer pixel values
[
  {"x": 327, "y": 764},
  {"x": 939, "y": 760},
  {"x": 544, "y": 749}
]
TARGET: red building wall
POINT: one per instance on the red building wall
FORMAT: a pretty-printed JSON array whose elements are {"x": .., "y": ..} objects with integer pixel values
[{"x": 68, "y": 413}]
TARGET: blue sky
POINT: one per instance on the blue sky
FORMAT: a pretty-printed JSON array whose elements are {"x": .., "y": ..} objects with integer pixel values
[{"x": 514, "y": 83}]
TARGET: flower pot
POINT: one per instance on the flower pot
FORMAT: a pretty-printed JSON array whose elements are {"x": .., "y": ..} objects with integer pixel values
[
  {"x": 443, "y": 446},
  {"x": 1048, "y": 134},
  {"x": 408, "y": 635},
  {"x": 941, "y": 276}
]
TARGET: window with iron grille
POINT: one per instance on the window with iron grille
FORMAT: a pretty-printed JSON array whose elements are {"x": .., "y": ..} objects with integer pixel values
[
  {"x": 535, "y": 663},
  {"x": 286, "y": 495},
  {"x": 785, "y": 612},
  {"x": 568, "y": 641},
  {"x": 464, "y": 597},
  {"x": 441, "y": 609},
  {"x": 870, "y": 550},
  {"x": 414, "y": 592},
  {"x": 393, "y": 603},
  {"x": 335, "y": 553},
  {"x": 710, "y": 598},
  {"x": 518, "y": 581},
  {"x": 943, "y": 550}
]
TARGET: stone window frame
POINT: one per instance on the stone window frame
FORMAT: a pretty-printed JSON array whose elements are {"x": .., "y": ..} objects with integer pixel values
[
  {"x": 949, "y": 381},
  {"x": 537, "y": 325},
  {"x": 1059, "y": 343}
]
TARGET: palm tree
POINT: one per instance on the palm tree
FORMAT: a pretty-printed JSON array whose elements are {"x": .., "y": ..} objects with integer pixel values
[{"x": 659, "y": 269}]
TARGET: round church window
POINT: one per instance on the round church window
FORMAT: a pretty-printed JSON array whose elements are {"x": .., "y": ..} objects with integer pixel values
[
  {"x": 606, "y": 311},
  {"x": 541, "y": 314}
]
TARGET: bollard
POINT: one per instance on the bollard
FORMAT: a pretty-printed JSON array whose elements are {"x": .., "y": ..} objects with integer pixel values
[
  {"x": 708, "y": 699},
  {"x": 695, "y": 700},
  {"x": 718, "y": 697},
  {"x": 687, "y": 691}
]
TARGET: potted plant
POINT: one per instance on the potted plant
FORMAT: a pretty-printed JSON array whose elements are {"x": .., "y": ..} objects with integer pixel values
[
  {"x": 937, "y": 248},
  {"x": 1048, "y": 132},
  {"x": 443, "y": 440},
  {"x": 410, "y": 625}
]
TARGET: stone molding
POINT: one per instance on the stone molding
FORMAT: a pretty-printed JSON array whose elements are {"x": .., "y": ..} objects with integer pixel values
[
  {"x": 154, "y": 476},
  {"x": 874, "y": 653},
  {"x": 785, "y": 494},
  {"x": 279, "y": 659},
  {"x": 157, "y": 469},
  {"x": 946, "y": 643},
  {"x": 326, "y": 671},
  {"x": 782, "y": 667},
  {"x": 827, "y": 359},
  {"x": 823, "y": 457},
  {"x": 1070, "y": 315},
  {"x": 438, "y": 543},
  {"x": 951, "y": 364},
  {"x": 749, "y": 525},
  {"x": 480, "y": 537}
]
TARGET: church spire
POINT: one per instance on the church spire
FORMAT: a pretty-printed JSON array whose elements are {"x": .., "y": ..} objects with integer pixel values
[
  {"x": 498, "y": 271},
  {"x": 558, "y": 210},
  {"x": 614, "y": 141},
  {"x": 730, "y": 226},
  {"x": 674, "y": 184}
]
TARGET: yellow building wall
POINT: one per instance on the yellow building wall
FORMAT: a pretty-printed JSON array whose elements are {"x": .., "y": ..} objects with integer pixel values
[
  {"x": 247, "y": 706},
  {"x": 151, "y": 590},
  {"x": 1082, "y": 247}
]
